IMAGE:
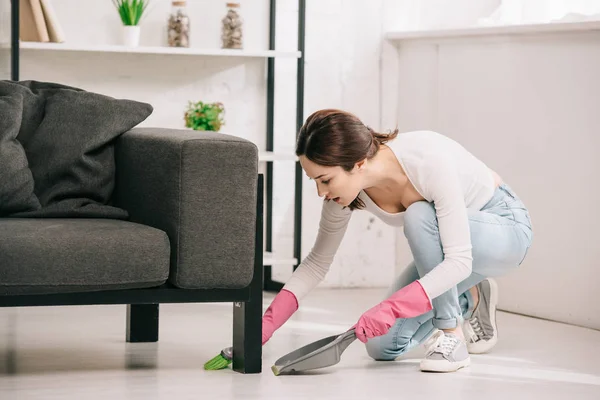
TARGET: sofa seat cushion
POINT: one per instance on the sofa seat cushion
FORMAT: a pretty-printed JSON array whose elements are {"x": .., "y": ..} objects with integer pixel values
[{"x": 56, "y": 255}]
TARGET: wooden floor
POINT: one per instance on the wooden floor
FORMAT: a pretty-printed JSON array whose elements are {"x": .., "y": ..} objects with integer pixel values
[{"x": 80, "y": 353}]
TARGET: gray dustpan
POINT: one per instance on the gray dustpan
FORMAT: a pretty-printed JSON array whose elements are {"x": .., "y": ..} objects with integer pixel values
[{"x": 322, "y": 353}]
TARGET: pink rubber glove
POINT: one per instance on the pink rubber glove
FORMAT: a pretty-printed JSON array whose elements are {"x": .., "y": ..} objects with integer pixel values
[
  {"x": 281, "y": 309},
  {"x": 410, "y": 301}
]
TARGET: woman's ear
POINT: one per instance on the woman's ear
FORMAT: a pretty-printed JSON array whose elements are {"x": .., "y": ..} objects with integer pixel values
[{"x": 359, "y": 166}]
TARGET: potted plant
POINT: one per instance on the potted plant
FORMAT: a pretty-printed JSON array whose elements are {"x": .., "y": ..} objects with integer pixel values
[
  {"x": 130, "y": 12},
  {"x": 202, "y": 116}
]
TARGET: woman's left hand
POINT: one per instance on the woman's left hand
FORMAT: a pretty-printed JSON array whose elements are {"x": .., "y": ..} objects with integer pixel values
[{"x": 410, "y": 301}]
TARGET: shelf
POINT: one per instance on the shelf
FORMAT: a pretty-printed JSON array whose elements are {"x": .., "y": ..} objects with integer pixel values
[
  {"x": 155, "y": 50},
  {"x": 500, "y": 30},
  {"x": 272, "y": 259},
  {"x": 269, "y": 156}
]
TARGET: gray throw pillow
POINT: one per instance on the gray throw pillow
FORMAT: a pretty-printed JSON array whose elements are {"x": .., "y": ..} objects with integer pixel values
[
  {"x": 16, "y": 181},
  {"x": 68, "y": 135}
]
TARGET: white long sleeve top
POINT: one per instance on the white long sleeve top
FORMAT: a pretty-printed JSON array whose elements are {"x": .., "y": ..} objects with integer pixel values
[{"x": 445, "y": 174}]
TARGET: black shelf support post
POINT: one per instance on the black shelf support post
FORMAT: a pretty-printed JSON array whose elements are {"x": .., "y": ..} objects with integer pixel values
[
  {"x": 14, "y": 40},
  {"x": 299, "y": 122},
  {"x": 268, "y": 283}
]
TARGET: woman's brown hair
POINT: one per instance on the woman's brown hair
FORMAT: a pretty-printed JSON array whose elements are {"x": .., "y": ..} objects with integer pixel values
[{"x": 335, "y": 138}]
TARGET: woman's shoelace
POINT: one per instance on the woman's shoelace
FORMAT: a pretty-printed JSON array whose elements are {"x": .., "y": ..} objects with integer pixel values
[
  {"x": 477, "y": 329},
  {"x": 431, "y": 342},
  {"x": 446, "y": 345},
  {"x": 441, "y": 343}
]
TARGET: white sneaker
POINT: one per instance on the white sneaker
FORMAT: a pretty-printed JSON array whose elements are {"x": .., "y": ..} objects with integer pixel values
[
  {"x": 481, "y": 330},
  {"x": 448, "y": 353}
]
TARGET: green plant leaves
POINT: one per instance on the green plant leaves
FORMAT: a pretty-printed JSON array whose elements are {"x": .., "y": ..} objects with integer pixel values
[
  {"x": 131, "y": 11},
  {"x": 202, "y": 116}
]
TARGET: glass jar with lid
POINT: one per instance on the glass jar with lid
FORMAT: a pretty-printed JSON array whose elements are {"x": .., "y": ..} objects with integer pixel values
[
  {"x": 231, "y": 31},
  {"x": 179, "y": 25}
]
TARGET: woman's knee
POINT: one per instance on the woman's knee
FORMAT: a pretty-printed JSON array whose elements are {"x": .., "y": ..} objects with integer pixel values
[
  {"x": 420, "y": 218},
  {"x": 380, "y": 349}
]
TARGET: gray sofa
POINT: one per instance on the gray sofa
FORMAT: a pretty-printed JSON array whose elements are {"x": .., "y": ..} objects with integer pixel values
[{"x": 182, "y": 222}]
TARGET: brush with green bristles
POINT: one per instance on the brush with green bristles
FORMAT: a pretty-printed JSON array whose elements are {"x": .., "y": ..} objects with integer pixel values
[{"x": 221, "y": 361}]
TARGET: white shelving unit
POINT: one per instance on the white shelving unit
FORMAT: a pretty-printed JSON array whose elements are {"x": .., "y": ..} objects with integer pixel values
[
  {"x": 268, "y": 156},
  {"x": 249, "y": 53},
  {"x": 264, "y": 156},
  {"x": 272, "y": 259}
]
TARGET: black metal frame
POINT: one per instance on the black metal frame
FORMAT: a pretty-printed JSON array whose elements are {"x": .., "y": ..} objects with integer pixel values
[
  {"x": 143, "y": 304},
  {"x": 269, "y": 283},
  {"x": 14, "y": 40},
  {"x": 299, "y": 122}
]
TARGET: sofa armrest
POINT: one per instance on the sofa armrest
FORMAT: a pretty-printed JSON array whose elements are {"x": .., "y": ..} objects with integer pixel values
[{"x": 200, "y": 188}]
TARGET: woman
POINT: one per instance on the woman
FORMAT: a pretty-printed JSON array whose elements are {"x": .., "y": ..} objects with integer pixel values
[{"x": 463, "y": 225}]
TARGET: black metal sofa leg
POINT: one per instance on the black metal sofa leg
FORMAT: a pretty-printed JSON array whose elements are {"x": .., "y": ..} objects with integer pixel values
[
  {"x": 247, "y": 337},
  {"x": 142, "y": 323},
  {"x": 247, "y": 316}
]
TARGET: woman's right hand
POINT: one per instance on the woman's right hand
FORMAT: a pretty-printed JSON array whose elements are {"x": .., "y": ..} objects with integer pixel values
[{"x": 281, "y": 309}]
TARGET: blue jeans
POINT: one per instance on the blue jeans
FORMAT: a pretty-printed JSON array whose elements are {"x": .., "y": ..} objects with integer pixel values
[{"x": 501, "y": 234}]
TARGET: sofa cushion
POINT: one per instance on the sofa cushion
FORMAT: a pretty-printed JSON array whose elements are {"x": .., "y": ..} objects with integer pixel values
[
  {"x": 68, "y": 135},
  {"x": 16, "y": 181},
  {"x": 73, "y": 255}
]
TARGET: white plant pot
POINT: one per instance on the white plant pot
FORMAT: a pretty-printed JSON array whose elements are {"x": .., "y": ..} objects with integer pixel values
[{"x": 131, "y": 35}]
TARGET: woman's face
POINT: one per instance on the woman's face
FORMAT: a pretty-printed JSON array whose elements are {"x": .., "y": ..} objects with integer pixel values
[{"x": 334, "y": 182}]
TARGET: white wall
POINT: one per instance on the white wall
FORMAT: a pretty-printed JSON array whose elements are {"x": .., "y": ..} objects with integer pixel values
[{"x": 527, "y": 106}]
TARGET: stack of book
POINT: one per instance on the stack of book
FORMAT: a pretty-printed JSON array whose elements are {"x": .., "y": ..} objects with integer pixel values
[{"x": 38, "y": 22}]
